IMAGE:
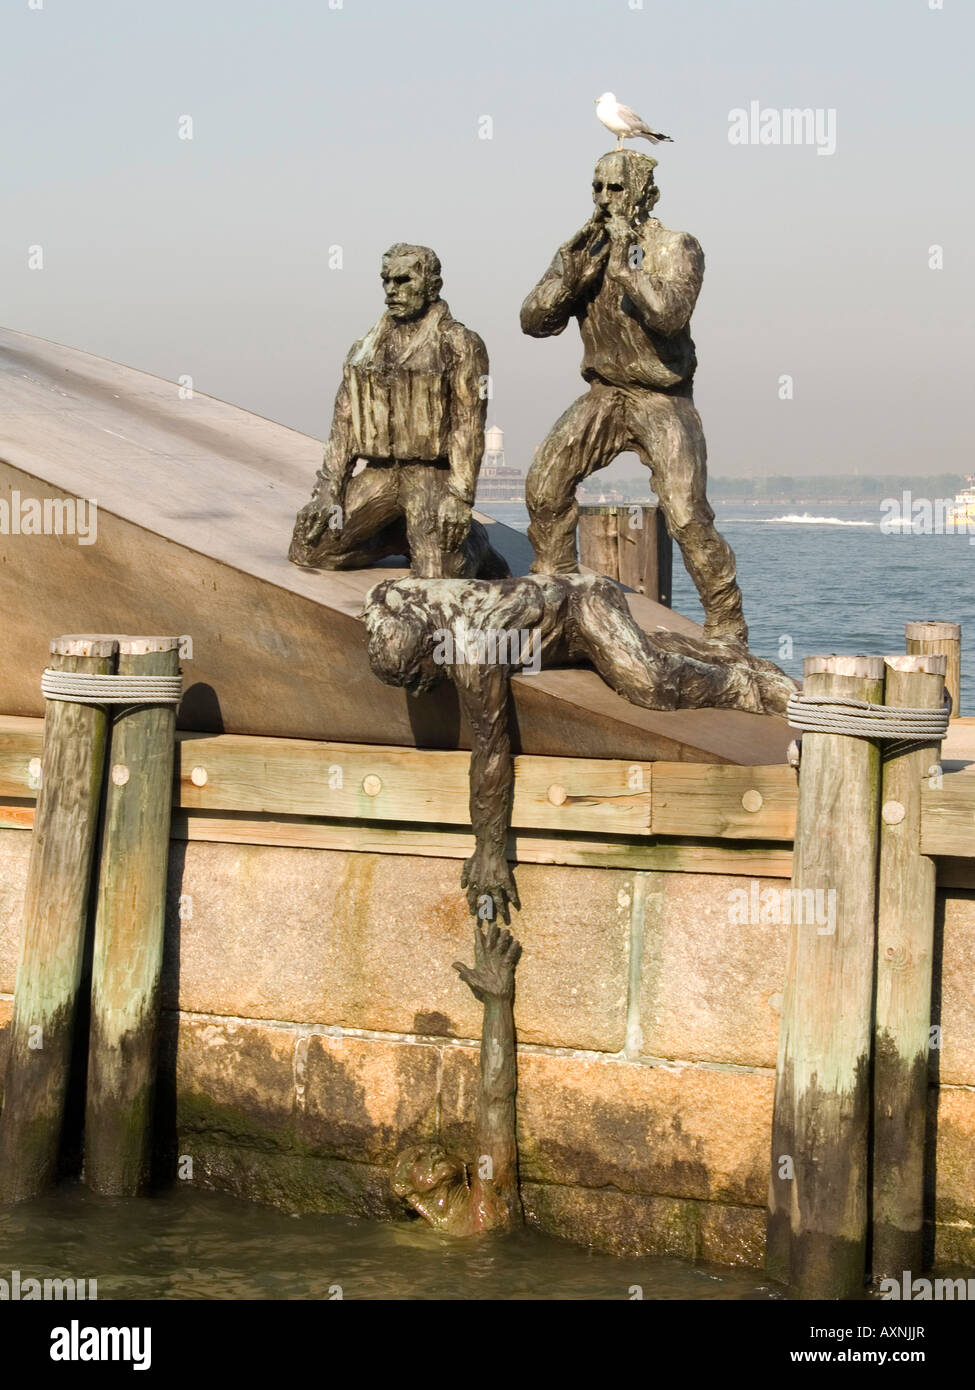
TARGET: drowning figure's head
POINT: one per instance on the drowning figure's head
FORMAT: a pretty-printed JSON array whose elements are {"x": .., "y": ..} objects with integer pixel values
[
  {"x": 428, "y": 1171},
  {"x": 400, "y": 640}
]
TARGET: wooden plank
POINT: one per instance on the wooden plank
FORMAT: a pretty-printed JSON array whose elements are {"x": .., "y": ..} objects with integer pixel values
[
  {"x": 444, "y": 842},
  {"x": 527, "y": 847},
  {"x": 363, "y": 782},
  {"x": 948, "y": 814},
  {"x": 575, "y": 794},
  {"x": 21, "y": 741},
  {"x": 241, "y": 772},
  {"x": 244, "y": 772},
  {"x": 728, "y": 803}
]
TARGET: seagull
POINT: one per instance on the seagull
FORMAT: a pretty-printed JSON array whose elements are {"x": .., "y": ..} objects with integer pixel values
[{"x": 624, "y": 122}]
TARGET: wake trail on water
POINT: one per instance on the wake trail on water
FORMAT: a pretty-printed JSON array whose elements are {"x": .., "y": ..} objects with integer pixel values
[{"x": 806, "y": 519}]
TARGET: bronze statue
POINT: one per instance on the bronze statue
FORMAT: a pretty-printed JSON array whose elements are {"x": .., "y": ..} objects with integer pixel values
[
  {"x": 476, "y": 633},
  {"x": 412, "y": 404},
  {"x": 437, "y": 1184},
  {"x": 632, "y": 285}
]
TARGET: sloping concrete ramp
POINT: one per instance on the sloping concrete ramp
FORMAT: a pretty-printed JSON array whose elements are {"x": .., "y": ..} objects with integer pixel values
[{"x": 195, "y": 504}]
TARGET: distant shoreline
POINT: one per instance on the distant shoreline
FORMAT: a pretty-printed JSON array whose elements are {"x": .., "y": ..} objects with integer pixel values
[{"x": 778, "y": 490}]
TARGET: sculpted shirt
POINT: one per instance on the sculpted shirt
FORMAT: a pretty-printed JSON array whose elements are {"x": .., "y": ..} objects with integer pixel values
[
  {"x": 635, "y": 321},
  {"x": 412, "y": 391}
]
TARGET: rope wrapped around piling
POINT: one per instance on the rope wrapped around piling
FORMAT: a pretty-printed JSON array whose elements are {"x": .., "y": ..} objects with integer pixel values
[
  {"x": 823, "y": 714},
  {"x": 88, "y": 688}
]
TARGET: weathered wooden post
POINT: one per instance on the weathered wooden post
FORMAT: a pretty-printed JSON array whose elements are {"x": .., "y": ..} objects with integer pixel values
[
  {"x": 55, "y": 920},
  {"x": 905, "y": 946},
  {"x": 628, "y": 542},
  {"x": 818, "y": 1213},
  {"x": 939, "y": 639},
  {"x": 129, "y": 925}
]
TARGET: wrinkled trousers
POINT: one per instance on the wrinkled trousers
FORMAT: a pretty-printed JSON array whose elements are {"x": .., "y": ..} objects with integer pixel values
[{"x": 665, "y": 431}]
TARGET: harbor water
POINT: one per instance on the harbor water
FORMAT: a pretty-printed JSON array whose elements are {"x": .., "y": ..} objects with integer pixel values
[{"x": 190, "y": 1244}]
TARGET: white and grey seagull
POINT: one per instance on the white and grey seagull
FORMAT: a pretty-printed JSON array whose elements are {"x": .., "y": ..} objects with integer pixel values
[{"x": 624, "y": 122}]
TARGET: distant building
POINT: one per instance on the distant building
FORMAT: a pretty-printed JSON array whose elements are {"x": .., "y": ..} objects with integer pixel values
[{"x": 497, "y": 482}]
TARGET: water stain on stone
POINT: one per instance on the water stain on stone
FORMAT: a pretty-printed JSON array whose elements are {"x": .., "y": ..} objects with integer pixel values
[{"x": 433, "y": 1024}]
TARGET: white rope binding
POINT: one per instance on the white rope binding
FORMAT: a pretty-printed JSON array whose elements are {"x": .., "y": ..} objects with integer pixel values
[
  {"x": 89, "y": 688},
  {"x": 823, "y": 714}
]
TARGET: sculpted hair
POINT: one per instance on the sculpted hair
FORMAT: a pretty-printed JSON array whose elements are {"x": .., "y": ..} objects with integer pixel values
[{"x": 400, "y": 633}]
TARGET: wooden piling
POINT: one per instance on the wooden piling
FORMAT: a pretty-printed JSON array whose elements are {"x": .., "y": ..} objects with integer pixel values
[
  {"x": 628, "y": 542},
  {"x": 905, "y": 946},
  {"x": 54, "y": 927},
  {"x": 129, "y": 924},
  {"x": 939, "y": 639},
  {"x": 818, "y": 1216}
]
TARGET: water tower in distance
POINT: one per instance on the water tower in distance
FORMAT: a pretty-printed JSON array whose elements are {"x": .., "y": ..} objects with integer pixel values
[{"x": 498, "y": 483}]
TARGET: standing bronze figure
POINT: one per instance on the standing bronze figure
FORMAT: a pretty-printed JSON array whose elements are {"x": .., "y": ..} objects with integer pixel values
[
  {"x": 439, "y": 1185},
  {"x": 412, "y": 404},
  {"x": 632, "y": 285}
]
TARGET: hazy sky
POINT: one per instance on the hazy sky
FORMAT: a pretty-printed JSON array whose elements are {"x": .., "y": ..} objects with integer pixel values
[{"x": 358, "y": 126}]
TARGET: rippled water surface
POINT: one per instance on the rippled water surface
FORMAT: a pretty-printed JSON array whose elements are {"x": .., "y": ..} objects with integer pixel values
[{"x": 189, "y": 1244}]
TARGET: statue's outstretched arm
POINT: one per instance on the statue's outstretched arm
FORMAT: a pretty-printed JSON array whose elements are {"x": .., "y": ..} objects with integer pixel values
[
  {"x": 483, "y": 693},
  {"x": 494, "y": 1179},
  {"x": 663, "y": 301}
]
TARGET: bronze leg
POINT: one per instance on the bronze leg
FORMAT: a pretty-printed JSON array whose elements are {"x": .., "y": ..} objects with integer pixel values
[
  {"x": 632, "y": 664},
  {"x": 371, "y": 526},
  {"x": 666, "y": 432},
  {"x": 422, "y": 485},
  {"x": 587, "y": 437}
]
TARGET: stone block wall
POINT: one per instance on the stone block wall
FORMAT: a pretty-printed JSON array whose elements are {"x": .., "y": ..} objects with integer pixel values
[{"x": 314, "y": 1025}]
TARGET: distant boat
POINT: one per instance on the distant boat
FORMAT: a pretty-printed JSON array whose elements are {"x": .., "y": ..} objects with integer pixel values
[{"x": 962, "y": 511}]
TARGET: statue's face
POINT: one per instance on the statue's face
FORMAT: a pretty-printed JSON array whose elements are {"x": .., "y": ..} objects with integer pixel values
[
  {"x": 405, "y": 287},
  {"x": 610, "y": 190}
]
